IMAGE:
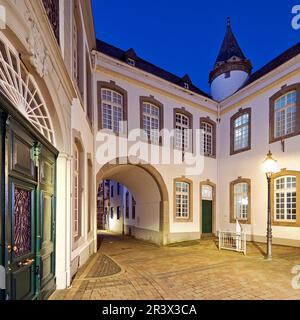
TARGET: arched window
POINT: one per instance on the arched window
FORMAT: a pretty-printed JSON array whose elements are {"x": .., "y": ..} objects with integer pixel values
[
  {"x": 183, "y": 199},
  {"x": 19, "y": 87},
  {"x": 183, "y": 130},
  {"x": 285, "y": 113},
  {"x": 240, "y": 135},
  {"x": 151, "y": 119},
  {"x": 208, "y": 141},
  {"x": 112, "y": 107},
  {"x": 285, "y": 193},
  {"x": 240, "y": 200}
]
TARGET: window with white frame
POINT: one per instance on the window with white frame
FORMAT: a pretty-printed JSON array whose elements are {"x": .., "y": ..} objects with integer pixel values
[
  {"x": 207, "y": 138},
  {"x": 112, "y": 110},
  {"x": 241, "y": 201},
  {"x": 241, "y": 132},
  {"x": 76, "y": 191},
  {"x": 285, "y": 198},
  {"x": 182, "y": 199},
  {"x": 151, "y": 122},
  {"x": 182, "y": 126},
  {"x": 285, "y": 114}
]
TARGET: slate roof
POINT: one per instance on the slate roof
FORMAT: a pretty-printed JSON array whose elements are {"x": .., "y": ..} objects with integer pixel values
[
  {"x": 146, "y": 66},
  {"x": 273, "y": 64},
  {"x": 230, "y": 46}
]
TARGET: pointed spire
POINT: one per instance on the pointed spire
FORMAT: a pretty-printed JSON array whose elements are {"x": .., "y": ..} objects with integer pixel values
[
  {"x": 230, "y": 57},
  {"x": 230, "y": 47},
  {"x": 228, "y": 22}
]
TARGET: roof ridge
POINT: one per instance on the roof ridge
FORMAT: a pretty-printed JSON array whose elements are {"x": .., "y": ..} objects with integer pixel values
[
  {"x": 271, "y": 65},
  {"x": 176, "y": 78}
]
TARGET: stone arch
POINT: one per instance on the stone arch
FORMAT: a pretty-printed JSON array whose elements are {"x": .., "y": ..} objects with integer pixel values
[{"x": 127, "y": 173}]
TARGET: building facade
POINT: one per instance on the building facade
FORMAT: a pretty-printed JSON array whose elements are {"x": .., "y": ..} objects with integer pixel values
[{"x": 62, "y": 92}]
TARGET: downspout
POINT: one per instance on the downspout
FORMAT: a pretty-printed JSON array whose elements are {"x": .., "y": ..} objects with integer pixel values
[{"x": 218, "y": 166}]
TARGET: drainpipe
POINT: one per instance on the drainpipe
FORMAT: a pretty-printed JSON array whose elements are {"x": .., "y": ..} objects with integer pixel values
[{"x": 217, "y": 196}]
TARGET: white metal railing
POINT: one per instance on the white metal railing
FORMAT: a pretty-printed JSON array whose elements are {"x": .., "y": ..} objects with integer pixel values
[{"x": 235, "y": 241}]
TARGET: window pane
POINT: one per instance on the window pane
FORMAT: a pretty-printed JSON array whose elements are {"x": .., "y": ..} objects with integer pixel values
[
  {"x": 285, "y": 114},
  {"x": 207, "y": 138},
  {"x": 151, "y": 122},
  {"x": 182, "y": 199},
  {"x": 241, "y": 201},
  {"x": 285, "y": 198},
  {"x": 241, "y": 132}
]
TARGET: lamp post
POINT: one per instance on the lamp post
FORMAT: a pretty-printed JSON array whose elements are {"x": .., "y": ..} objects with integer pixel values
[{"x": 269, "y": 167}]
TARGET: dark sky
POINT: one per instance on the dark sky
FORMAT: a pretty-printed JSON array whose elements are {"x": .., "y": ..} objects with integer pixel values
[{"x": 185, "y": 36}]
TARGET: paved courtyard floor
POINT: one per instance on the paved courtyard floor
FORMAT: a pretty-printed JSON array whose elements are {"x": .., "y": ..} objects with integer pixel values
[{"x": 192, "y": 270}]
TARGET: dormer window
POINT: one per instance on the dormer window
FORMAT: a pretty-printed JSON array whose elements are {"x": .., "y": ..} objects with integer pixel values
[
  {"x": 186, "y": 86},
  {"x": 131, "y": 62}
]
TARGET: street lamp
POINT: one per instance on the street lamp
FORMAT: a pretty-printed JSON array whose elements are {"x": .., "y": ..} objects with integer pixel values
[{"x": 269, "y": 167}]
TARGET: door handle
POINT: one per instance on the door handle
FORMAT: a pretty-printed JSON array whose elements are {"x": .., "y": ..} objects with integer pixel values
[
  {"x": 10, "y": 248},
  {"x": 27, "y": 262}
]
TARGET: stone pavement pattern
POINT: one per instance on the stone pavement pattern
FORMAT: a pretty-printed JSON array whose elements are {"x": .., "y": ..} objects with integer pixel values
[{"x": 195, "y": 271}]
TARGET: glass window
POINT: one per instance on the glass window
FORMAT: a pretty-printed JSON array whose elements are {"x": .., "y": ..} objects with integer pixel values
[
  {"x": 241, "y": 201},
  {"x": 285, "y": 199},
  {"x": 182, "y": 126},
  {"x": 151, "y": 119},
  {"x": 207, "y": 192},
  {"x": 241, "y": 132},
  {"x": 182, "y": 200},
  {"x": 285, "y": 114},
  {"x": 207, "y": 138},
  {"x": 112, "y": 110}
]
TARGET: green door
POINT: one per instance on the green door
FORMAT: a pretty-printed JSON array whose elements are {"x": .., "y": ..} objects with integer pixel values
[
  {"x": 47, "y": 223},
  {"x": 27, "y": 210},
  {"x": 206, "y": 216},
  {"x": 21, "y": 216}
]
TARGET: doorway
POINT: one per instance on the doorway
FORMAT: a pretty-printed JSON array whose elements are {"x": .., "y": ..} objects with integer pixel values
[
  {"x": 207, "y": 208},
  {"x": 27, "y": 190}
]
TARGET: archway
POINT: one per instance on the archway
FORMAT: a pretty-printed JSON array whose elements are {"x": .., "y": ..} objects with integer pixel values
[{"x": 150, "y": 194}]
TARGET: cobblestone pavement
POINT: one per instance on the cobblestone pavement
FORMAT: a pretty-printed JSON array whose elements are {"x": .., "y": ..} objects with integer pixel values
[{"x": 195, "y": 270}]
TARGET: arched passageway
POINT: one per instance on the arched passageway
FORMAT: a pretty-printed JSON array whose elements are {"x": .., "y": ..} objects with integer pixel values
[{"x": 151, "y": 199}]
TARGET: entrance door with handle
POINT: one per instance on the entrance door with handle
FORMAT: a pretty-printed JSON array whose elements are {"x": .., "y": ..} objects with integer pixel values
[{"x": 20, "y": 215}]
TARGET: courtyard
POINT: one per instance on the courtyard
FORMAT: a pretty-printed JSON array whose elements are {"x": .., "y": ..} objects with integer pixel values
[{"x": 128, "y": 269}]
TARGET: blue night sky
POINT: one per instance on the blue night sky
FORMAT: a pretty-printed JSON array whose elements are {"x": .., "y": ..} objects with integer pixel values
[{"x": 185, "y": 36}]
